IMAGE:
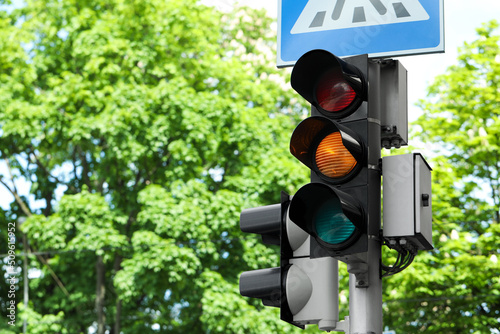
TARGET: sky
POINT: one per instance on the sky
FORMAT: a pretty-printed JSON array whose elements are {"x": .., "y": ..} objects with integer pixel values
[{"x": 462, "y": 17}]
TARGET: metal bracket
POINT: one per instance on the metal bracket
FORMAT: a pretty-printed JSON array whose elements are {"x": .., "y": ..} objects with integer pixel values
[
  {"x": 390, "y": 137},
  {"x": 343, "y": 326},
  {"x": 360, "y": 271}
]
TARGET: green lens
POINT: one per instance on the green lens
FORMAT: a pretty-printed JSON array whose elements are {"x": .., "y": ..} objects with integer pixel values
[{"x": 332, "y": 226}]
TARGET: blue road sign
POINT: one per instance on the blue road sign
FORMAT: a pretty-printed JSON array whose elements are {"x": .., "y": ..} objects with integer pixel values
[{"x": 380, "y": 28}]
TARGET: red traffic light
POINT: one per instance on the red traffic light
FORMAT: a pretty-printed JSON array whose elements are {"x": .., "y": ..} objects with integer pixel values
[
  {"x": 331, "y": 150},
  {"x": 333, "y": 86}
]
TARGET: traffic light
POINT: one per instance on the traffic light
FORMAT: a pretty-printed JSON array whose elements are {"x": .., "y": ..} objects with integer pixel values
[
  {"x": 305, "y": 289},
  {"x": 337, "y": 215},
  {"x": 335, "y": 143}
]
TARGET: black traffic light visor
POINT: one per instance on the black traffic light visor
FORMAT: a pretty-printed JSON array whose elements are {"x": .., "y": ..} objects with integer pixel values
[
  {"x": 264, "y": 284},
  {"x": 318, "y": 74}
]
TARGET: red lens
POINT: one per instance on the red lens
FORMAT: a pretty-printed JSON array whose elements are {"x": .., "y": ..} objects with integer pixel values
[{"x": 333, "y": 93}]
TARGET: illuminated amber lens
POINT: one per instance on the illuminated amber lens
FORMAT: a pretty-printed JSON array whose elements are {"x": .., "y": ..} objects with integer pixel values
[{"x": 332, "y": 158}]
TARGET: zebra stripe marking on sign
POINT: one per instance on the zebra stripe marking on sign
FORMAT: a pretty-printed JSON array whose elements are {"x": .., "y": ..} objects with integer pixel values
[{"x": 319, "y": 15}]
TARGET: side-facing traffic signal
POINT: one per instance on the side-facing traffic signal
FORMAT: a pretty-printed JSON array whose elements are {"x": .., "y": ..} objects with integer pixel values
[{"x": 305, "y": 289}]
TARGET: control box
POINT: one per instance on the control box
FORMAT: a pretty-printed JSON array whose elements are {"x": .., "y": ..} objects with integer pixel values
[{"x": 407, "y": 199}]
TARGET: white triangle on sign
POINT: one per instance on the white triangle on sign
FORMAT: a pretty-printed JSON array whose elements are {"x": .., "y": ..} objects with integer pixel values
[{"x": 320, "y": 15}]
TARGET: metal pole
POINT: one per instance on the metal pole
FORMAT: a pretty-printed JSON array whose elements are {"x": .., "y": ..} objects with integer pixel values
[
  {"x": 365, "y": 300},
  {"x": 365, "y": 304}
]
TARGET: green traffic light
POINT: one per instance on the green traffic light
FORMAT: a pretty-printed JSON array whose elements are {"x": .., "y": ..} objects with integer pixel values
[
  {"x": 332, "y": 217},
  {"x": 331, "y": 224}
]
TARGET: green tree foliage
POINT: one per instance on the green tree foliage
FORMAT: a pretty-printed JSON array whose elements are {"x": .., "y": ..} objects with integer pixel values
[
  {"x": 456, "y": 287},
  {"x": 159, "y": 121}
]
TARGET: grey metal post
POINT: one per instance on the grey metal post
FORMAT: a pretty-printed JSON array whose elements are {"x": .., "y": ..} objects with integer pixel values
[
  {"x": 365, "y": 304},
  {"x": 365, "y": 300}
]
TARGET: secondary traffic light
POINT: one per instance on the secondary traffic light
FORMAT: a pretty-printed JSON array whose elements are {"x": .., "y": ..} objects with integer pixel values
[
  {"x": 305, "y": 289},
  {"x": 334, "y": 143}
]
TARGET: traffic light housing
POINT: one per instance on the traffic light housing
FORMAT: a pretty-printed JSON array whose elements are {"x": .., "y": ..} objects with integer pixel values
[{"x": 334, "y": 143}]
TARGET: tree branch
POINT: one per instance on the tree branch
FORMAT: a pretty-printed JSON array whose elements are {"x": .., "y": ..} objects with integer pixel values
[
  {"x": 54, "y": 276},
  {"x": 42, "y": 166},
  {"x": 86, "y": 168},
  {"x": 26, "y": 210}
]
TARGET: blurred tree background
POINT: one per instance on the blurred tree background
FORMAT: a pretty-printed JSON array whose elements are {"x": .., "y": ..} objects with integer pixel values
[
  {"x": 144, "y": 127},
  {"x": 158, "y": 121}
]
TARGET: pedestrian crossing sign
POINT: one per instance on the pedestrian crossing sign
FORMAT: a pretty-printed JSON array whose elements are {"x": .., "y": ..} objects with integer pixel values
[{"x": 380, "y": 28}]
